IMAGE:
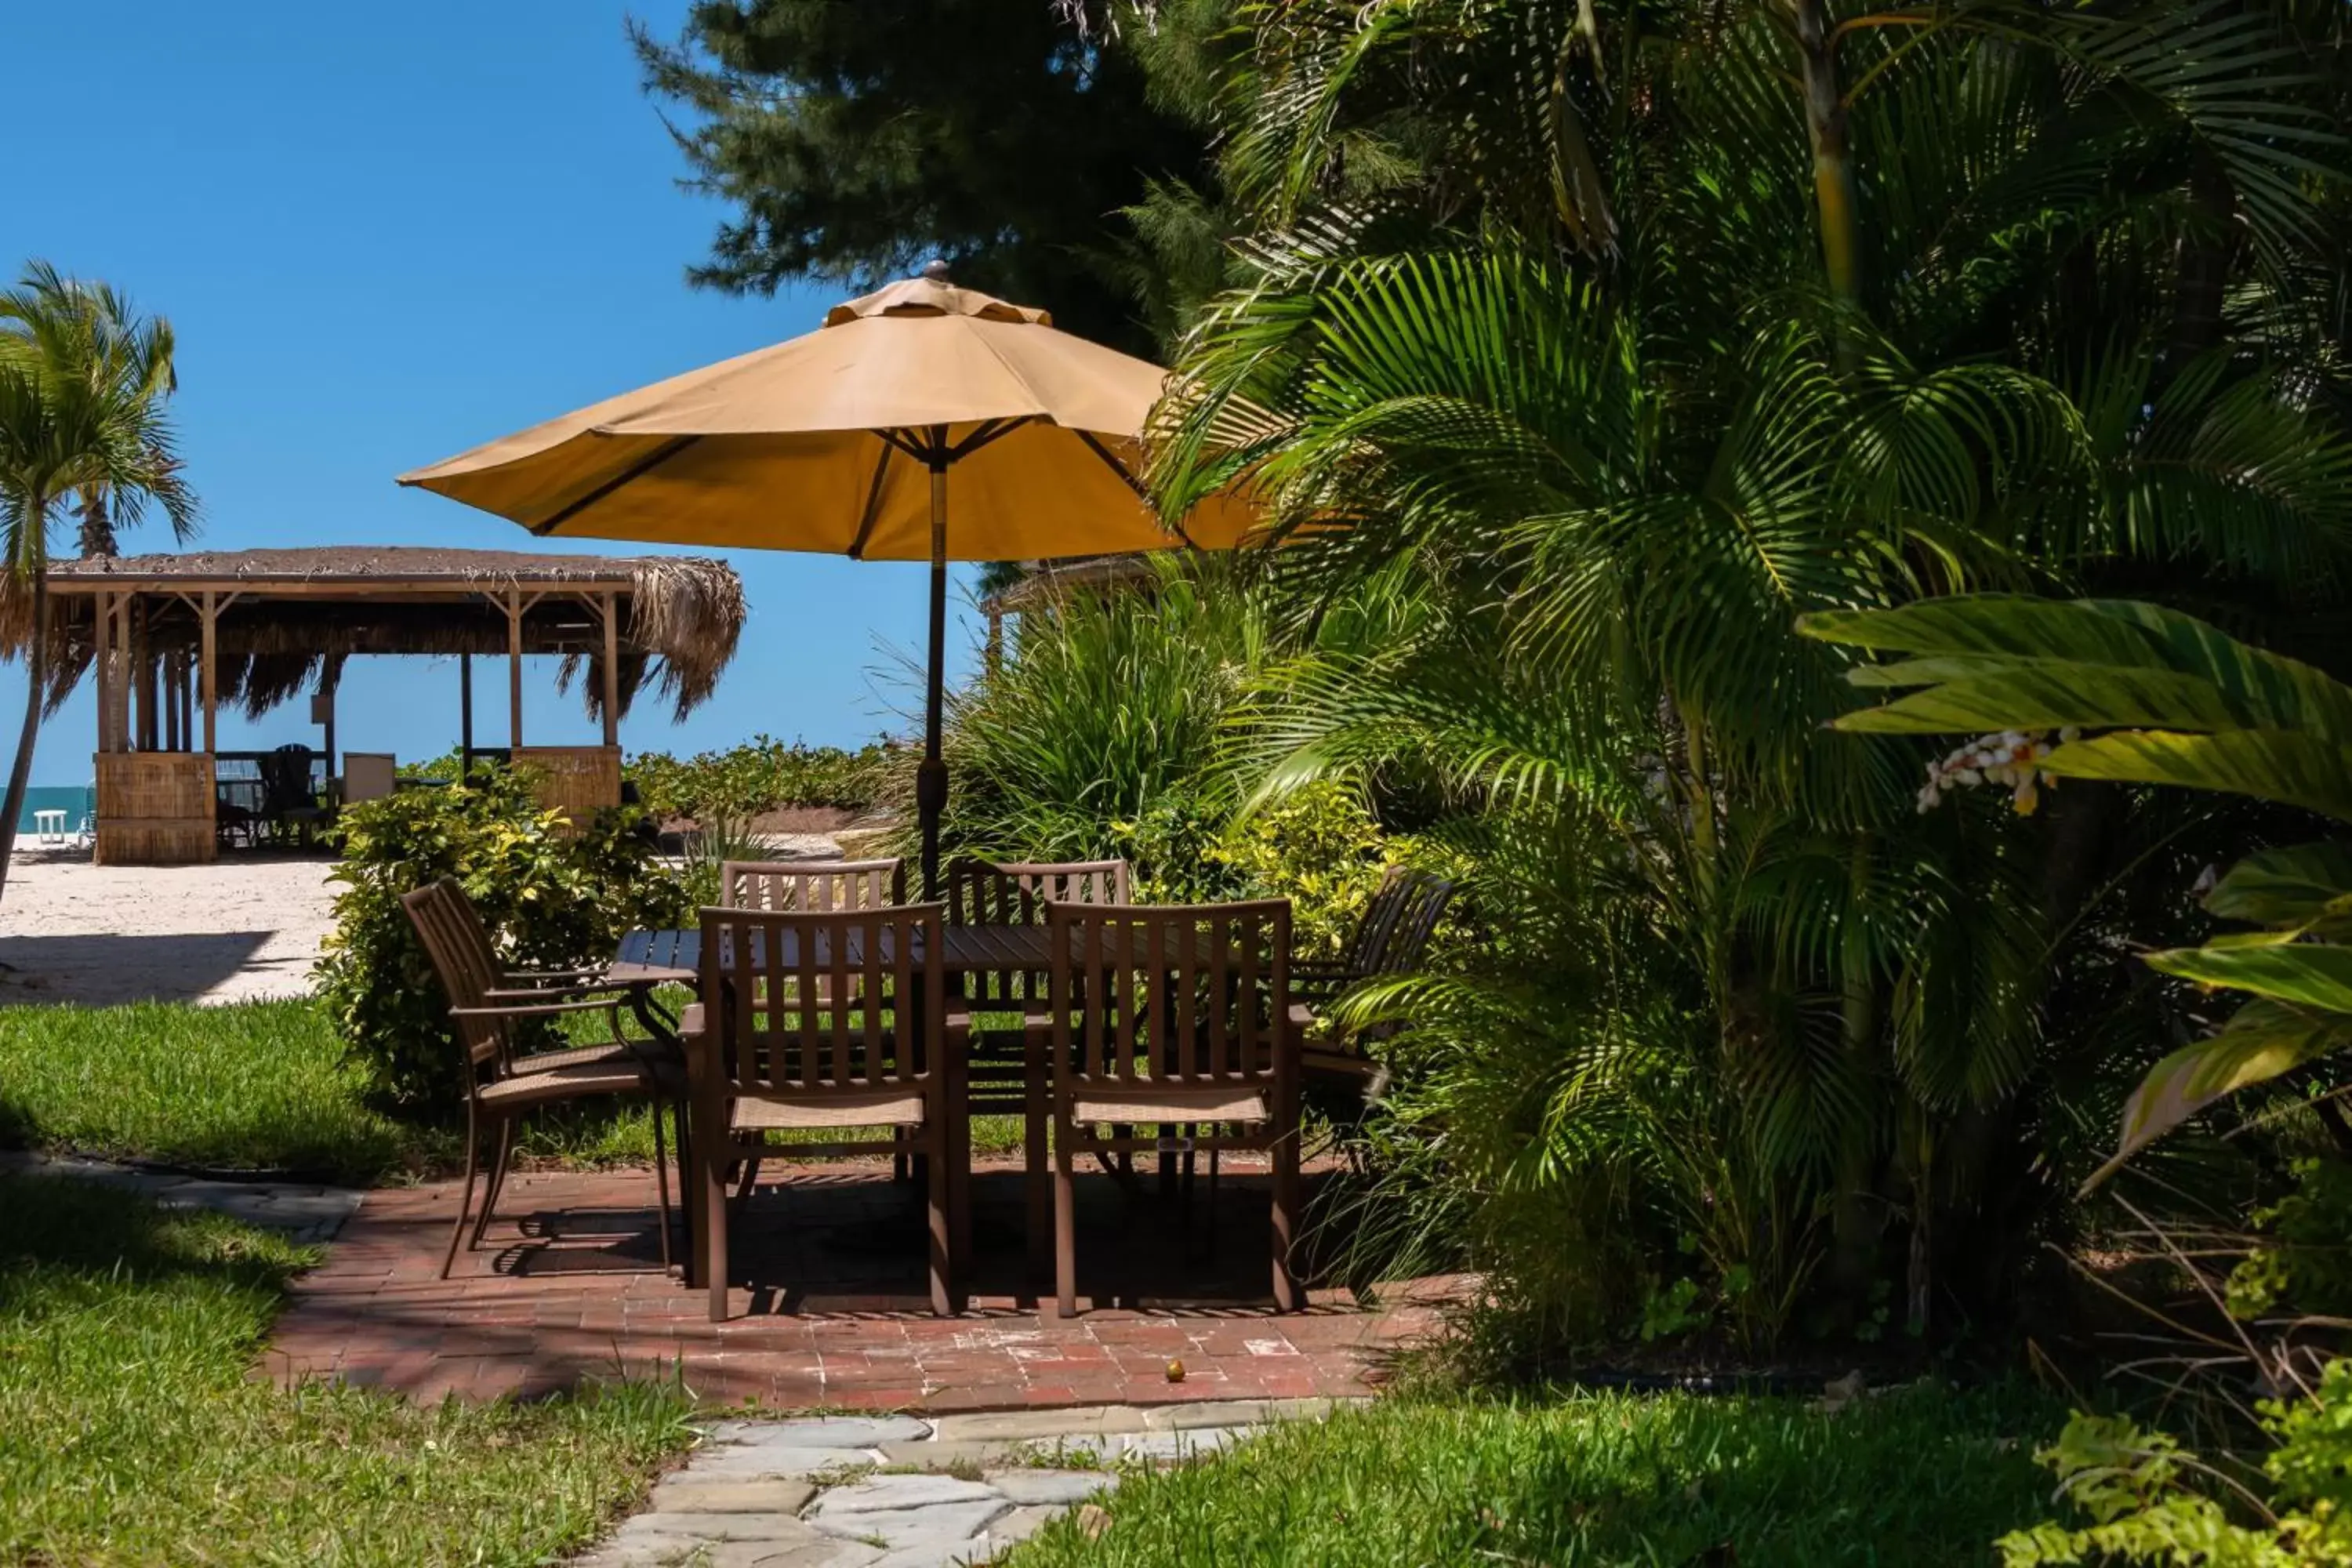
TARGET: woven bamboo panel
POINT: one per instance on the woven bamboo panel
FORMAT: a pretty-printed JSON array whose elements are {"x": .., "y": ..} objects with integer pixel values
[
  {"x": 578, "y": 781},
  {"x": 154, "y": 808}
]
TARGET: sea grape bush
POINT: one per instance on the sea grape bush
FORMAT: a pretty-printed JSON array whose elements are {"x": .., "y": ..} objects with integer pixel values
[
  {"x": 556, "y": 895},
  {"x": 763, "y": 774}
]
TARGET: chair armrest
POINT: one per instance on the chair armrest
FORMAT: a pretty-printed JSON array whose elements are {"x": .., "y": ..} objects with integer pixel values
[
  {"x": 689, "y": 1023},
  {"x": 552, "y": 992},
  {"x": 591, "y": 973},
  {"x": 539, "y": 1009}
]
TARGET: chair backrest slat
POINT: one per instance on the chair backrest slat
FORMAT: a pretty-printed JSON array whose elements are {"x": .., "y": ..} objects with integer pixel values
[
  {"x": 1398, "y": 922},
  {"x": 1169, "y": 993},
  {"x": 845, "y": 1006},
  {"x": 1015, "y": 893},
  {"x": 816, "y": 886},
  {"x": 464, "y": 957}
]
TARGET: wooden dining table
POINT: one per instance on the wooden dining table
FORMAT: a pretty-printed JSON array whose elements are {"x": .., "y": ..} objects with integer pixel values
[{"x": 649, "y": 958}]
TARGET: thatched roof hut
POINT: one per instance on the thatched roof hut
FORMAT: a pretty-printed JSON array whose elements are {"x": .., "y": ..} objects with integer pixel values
[{"x": 284, "y": 619}]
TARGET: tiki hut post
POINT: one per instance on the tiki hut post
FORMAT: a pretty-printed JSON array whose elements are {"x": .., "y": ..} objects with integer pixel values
[
  {"x": 207, "y": 653},
  {"x": 465, "y": 717},
  {"x": 514, "y": 669},
  {"x": 610, "y": 610},
  {"x": 144, "y": 663},
  {"x": 99, "y": 660}
]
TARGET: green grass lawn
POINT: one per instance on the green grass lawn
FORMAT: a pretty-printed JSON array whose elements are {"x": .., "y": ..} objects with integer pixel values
[
  {"x": 1913, "y": 1477},
  {"x": 131, "y": 1433},
  {"x": 263, "y": 1085}
]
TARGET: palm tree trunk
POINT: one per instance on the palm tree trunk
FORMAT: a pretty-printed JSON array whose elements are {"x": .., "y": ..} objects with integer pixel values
[
  {"x": 37, "y": 674},
  {"x": 1835, "y": 194},
  {"x": 97, "y": 526}
]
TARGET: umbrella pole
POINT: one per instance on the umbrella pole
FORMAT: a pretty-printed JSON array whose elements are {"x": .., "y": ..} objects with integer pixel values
[{"x": 931, "y": 778}]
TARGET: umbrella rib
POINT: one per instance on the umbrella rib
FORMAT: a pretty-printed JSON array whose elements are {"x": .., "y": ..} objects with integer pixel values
[
  {"x": 993, "y": 430},
  {"x": 638, "y": 471},
  {"x": 897, "y": 439},
  {"x": 1116, "y": 467},
  {"x": 872, "y": 501}
]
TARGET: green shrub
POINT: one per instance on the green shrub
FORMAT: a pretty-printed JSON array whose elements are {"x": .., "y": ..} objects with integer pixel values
[
  {"x": 1320, "y": 848},
  {"x": 763, "y": 774},
  {"x": 2302, "y": 1260},
  {"x": 2151, "y": 1502},
  {"x": 556, "y": 896}
]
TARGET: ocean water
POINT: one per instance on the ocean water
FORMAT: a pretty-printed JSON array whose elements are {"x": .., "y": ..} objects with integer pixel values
[{"x": 74, "y": 800}]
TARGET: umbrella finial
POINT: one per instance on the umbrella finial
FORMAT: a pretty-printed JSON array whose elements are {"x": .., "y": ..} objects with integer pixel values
[{"x": 936, "y": 269}]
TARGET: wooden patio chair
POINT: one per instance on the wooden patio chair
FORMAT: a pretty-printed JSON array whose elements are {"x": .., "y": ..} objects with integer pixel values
[
  {"x": 1389, "y": 940},
  {"x": 786, "y": 885},
  {"x": 825, "y": 1023},
  {"x": 1177, "y": 1017},
  {"x": 503, "y": 1082},
  {"x": 1005, "y": 1071}
]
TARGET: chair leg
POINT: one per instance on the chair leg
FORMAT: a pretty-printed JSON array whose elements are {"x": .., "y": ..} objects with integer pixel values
[
  {"x": 661, "y": 1182},
  {"x": 1040, "y": 1188},
  {"x": 713, "y": 1180},
  {"x": 751, "y": 1179},
  {"x": 466, "y": 1195},
  {"x": 1285, "y": 1216},
  {"x": 500, "y": 1153},
  {"x": 682, "y": 1150},
  {"x": 942, "y": 1175},
  {"x": 1066, "y": 1224}
]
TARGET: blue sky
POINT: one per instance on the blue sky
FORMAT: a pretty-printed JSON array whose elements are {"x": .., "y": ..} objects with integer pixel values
[{"x": 384, "y": 234}]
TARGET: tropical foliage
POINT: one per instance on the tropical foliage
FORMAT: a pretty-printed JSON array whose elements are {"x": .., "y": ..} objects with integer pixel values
[
  {"x": 1588, "y": 350},
  {"x": 2175, "y": 702},
  {"x": 84, "y": 378}
]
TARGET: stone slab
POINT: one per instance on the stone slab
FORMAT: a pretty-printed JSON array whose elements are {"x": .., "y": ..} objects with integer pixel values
[
  {"x": 880, "y": 1493},
  {"x": 1169, "y": 1448},
  {"x": 781, "y": 1527},
  {"x": 1018, "y": 1526},
  {"x": 1059, "y": 1487},
  {"x": 942, "y": 1522},
  {"x": 822, "y": 1552},
  {"x": 823, "y": 1431},
  {"x": 1231, "y": 1413},
  {"x": 941, "y": 1455},
  {"x": 753, "y": 1461},
  {"x": 1042, "y": 1425},
  {"x": 691, "y": 1493}
]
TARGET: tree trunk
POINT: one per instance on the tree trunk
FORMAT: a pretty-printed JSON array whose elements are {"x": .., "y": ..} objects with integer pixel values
[
  {"x": 1835, "y": 195},
  {"x": 97, "y": 526},
  {"x": 37, "y": 673},
  {"x": 1857, "y": 1220}
]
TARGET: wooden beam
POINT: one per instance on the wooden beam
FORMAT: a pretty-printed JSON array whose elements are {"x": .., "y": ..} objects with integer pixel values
[
  {"x": 208, "y": 674},
  {"x": 101, "y": 661},
  {"x": 612, "y": 671}
]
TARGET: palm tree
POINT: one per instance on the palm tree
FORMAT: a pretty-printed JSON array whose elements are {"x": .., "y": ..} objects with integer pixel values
[
  {"x": 1627, "y": 340},
  {"x": 83, "y": 381}
]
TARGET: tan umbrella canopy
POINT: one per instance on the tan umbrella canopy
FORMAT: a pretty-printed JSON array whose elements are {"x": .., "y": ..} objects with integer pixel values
[{"x": 844, "y": 441}]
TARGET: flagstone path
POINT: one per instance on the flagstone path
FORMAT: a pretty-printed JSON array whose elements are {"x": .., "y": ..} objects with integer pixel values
[{"x": 901, "y": 1491}]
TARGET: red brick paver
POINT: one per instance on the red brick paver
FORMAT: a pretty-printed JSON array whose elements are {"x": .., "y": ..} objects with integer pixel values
[{"x": 569, "y": 1286}]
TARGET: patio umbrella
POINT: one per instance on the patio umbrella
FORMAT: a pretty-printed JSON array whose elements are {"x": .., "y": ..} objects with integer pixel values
[{"x": 846, "y": 439}]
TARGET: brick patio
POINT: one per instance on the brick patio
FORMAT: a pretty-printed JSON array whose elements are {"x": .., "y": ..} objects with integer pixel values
[{"x": 569, "y": 1286}]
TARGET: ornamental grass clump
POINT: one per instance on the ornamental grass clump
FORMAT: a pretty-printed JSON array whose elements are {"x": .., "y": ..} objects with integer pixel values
[{"x": 556, "y": 894}]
